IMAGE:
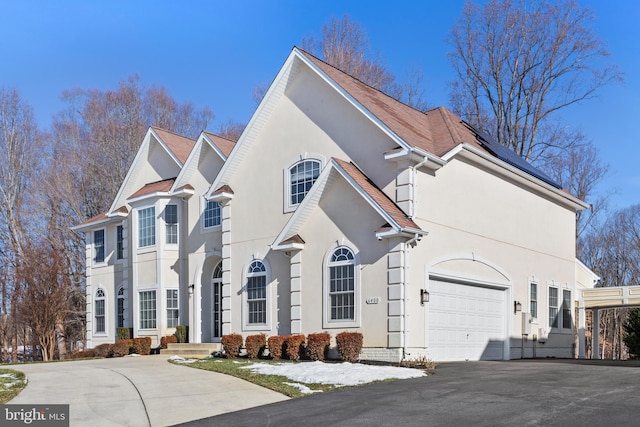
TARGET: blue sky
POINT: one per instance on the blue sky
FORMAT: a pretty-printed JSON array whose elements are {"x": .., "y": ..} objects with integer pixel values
[{"x": 214, "y": 53}]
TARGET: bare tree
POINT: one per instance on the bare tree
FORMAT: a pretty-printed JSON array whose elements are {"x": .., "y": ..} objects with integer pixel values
[
  {"x": 344, "y": 44},
  {"x": 580, "y": 170},
  {"x": 518, "y": 63},
  {"x": 231, "y": 130},
  {"x": 19, "y": 153},
  {"x": 43, "y": 296}
]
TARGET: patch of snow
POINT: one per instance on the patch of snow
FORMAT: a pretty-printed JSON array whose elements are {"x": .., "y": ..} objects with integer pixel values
[
  {"x": 303, "y": 388},
  {"x": 132, "y": 355},
  {"x": 12, "y": 376},
  {"x": 338, "y": 374},
  {"x": 180, "y": 359}
]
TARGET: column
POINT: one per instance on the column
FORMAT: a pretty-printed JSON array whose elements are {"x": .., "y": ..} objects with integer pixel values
[
  {"x": 582, "y": 323},
  {"x": 595, "y": 334},
  {"x": 395, "y": 294},
  {"x": 296, "y": 292},
  {"x": 225, "y": 219}
]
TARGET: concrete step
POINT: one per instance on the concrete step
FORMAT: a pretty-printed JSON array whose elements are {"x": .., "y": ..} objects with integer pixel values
[{"x": 197, "y": 350}]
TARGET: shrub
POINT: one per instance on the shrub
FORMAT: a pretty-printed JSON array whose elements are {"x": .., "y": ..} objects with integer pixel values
[
  {"x": 82, "y": 354},
  {"x": 103, "y": 350},
  {"x": 182, "y": 333},
  {"x": 123, "y": 333},
  {"x": 275, "y": 344},
  {"x": 168, "y": 339},
  {"x": 292, "y": 346},
  {"x": 231, "y": 344},
  {"x": 420, "y": 362},
  {"x": 120, "y": 348},
  {"x": 142, "y": 345},
  {"x": 255, "y": 344},
  {"x": 349, "y": 345},
  {"x": 318, "y": 345}
]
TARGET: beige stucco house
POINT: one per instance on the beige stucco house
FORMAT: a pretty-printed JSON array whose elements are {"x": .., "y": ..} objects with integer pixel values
[{"x": 340, "y": 208}]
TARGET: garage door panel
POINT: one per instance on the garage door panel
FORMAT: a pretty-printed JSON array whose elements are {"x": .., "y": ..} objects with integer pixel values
[{"x": 465, "y": 322}]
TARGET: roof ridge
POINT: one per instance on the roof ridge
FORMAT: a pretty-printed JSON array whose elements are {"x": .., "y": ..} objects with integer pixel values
[
  {"x": 360, "y": 81},
  {"x": 171, "y": 132},
  {"x": 220, "y": 136}
]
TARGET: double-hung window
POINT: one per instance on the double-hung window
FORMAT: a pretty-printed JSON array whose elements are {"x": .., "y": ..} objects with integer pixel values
[
  {"x": 211, "y": 215},
  {"x": 119, "y": 242},
  {"x": 171, "y": 223},
  {"x": 147, "y": 227},
  {"x": 98, "y": 245},
  {"x": 566, "y": 309},
  {"x": 172, "y": 308},
  {"x": 257, "y": 294},
  {"x": 533, "y": 300},
  {"x": 342, "y": 291},
  {"x": 100, "y": 312},
  {"x": 553, "y": 307},
  {"x": 147, "y": 309}
]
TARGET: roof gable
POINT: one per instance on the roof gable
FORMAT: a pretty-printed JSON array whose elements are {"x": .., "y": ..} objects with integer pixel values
[
  {"x": 158, "y": 142},
  {"x": 393, "y": 219},
  {"x": 207, "y": 141}
]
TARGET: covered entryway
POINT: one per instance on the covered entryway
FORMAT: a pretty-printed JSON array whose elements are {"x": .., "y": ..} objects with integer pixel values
[
  {"x": 466, "y": 321},
  {"x": 599, "y": 298}
]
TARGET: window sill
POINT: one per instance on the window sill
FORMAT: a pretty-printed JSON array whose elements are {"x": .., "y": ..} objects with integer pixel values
[
  {"x": 335, "y": 324},
  {"x": 210, "y": 229},
  {"x": 256, "y": 328}
]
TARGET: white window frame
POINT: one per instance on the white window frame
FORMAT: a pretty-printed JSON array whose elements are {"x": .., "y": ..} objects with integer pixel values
[
  {"x": 169, "y": 296},
  {"x": 216, "y": 301},
  {"x": 247, "y": 275},
  {"x": 288, "y": 206},
  {"x": 103, "y": 261},
  {"x": 566, "y": 308},
  {"x": 119, "y": 242},
  {"x": 327, "y": 320},
  {"x": 152, "y": 238},
  {"x": 171, "y": 230},
  {"x": 534, "y": 307},
  {"x": 121, "y": 299},
  {"x": 554, "y": 320},
  {"x": 205, "y": 204},
  {"x": 148, "y": 322},
  {"x": 100, "y": 297}
]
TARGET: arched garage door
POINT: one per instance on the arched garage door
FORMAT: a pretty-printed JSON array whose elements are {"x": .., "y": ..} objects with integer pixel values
[{"x": 466, "y": 322}]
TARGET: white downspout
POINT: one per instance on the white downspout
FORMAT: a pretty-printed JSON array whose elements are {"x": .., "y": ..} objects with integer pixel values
[{"x": 405, "y": 292}]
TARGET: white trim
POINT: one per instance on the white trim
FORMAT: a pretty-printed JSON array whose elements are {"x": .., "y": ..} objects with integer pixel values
[
  {"x": 105, "y": 257},
  {"x": 287, "y": 206},
  {"x": 327, "y": 322},
  {"x": 104, "y": 298},
  {"x": 268, "y": 296}
]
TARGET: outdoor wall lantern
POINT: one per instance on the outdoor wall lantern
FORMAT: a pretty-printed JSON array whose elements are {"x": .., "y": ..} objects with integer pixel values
[
  {"x": 517, "y": 306},
  {"x": 191, "y": 286},
  {"x": 424, "y": 296}
]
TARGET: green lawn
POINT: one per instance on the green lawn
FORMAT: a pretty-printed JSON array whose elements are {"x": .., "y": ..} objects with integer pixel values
[
  {"x": 273, "y": 382},
  {"x": 11, "y": 383}
]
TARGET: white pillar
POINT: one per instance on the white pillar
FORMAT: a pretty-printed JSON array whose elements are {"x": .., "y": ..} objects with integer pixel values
[
  {"x": 582, "y": 323},
  {"x": 595, "y": 351},
  {"x": 296, "y": 292}
]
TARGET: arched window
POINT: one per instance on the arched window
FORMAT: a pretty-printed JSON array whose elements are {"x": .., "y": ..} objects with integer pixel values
[
  {"x": 100, "y": 311},
  {"x": 120, "y": 302},
  {"x": 257, "y": 294},
  {"x": 341, "y": 288},
  {"x": 302, "y": 175}
]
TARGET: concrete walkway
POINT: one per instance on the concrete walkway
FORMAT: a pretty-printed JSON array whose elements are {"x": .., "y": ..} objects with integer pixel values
[{"x": 137, "y": 391}]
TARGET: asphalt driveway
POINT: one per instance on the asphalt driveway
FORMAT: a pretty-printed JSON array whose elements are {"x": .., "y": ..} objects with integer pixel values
[
  {"x": 137, "y": 391},
  {"x": 538, "y": 393}
]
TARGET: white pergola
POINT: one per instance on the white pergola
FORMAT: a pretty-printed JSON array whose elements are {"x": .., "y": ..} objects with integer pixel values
[{"x": 596, "y": 299}]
